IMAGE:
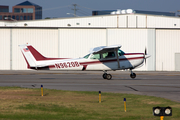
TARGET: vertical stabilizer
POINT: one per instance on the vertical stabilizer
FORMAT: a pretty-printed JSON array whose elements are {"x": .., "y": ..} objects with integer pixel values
[
  {"x": 31, "y": 61},
  {"x": 35, "y": 59}
]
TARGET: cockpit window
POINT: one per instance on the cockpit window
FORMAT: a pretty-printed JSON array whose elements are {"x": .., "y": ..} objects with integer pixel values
[
  {"x": 120, "y": 52},
  {"x": 95, "y": 56},
  {"x": 104, "y": 55},
  {"x": 108, "y": 55},
  {"x": 86, "y": 56}
]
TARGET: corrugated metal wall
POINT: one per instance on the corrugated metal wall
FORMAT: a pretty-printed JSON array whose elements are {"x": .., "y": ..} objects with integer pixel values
[
  {"x": 5, "y": 48},
  {"x": 131, "y": 21},
  {"x": 167, "y": 44},
  {"x": 151, "y": 49},
  {"x": 161, "y": 44},
  {"x": 95, "y": 21},
  {"x": 102, "y": 21},
  {"x": 75, "y": 43},
  {"x": 177, "y": 63},
  {"x": 44, "y": 40}
]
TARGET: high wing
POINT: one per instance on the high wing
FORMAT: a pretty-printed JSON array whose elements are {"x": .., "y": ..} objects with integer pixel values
[{"x": 103, "y": 49}]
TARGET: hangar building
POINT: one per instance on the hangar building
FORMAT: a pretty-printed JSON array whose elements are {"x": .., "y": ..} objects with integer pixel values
[{"x": 73, "y": 37}]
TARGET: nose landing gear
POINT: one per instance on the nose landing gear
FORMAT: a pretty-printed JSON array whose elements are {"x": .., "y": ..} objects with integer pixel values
[
  {"x": 107, "y": 76},
  {"x": 132, "y": 75}
]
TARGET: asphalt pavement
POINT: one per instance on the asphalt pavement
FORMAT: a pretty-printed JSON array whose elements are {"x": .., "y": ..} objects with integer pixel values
[{"x": 164, "y": 84}]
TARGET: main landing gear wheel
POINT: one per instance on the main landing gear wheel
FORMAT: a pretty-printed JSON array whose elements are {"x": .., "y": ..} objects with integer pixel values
[
  {"x": 107, "y": 76},
  {"x": 132, "y": 75},
  {"x": 104, "y": 75}
]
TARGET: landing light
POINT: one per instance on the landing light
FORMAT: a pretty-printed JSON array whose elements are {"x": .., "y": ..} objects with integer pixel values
[
  {"x": 157, "y": 111},
  {"x": 162, "y": 111},
  {"x": 168, "y": 111}
]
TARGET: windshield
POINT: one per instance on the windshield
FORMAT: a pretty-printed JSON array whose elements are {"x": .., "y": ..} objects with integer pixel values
[
  {"x": 120, "y": 52},
  {"x": 86, "y": 56}
]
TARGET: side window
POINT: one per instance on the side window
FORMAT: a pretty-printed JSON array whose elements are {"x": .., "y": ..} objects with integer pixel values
[
  {"x": 104, "y": 55},
  {"x": 24, "y": 17},
  {"x": 17, "y": 17},
  {"x": 95, "y": 56},
  {"x": 21, "y": 17},
  {"x": 13, "y": 17},
  {"x": 108, "y": 55}
]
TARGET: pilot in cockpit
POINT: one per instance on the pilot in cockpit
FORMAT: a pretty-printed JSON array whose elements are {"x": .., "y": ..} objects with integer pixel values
[{"x": 110, "y": 55}]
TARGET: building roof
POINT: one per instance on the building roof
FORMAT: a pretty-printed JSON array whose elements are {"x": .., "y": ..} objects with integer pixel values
[{"x": 27, "y": 3}]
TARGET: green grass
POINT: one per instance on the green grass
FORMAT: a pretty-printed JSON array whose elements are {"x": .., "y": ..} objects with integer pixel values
[{"x": 23, "y": 104}]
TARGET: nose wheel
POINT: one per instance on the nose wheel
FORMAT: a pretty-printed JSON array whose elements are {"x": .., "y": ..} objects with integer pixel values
[
  {"x": 132, "y": 75},
  {"x": 107, "y": 76}
]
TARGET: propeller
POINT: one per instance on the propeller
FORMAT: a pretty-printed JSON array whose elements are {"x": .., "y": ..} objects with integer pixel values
[{"x": 145, "y": 53}]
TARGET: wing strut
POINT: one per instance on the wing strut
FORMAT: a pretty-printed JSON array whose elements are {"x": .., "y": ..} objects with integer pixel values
[{"x": 116, "y": 51}]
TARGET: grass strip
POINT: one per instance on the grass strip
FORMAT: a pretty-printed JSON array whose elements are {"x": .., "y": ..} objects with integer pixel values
[{"x": 27, "y": 104}]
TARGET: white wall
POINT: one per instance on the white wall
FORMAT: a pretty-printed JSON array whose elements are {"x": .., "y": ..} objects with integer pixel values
[
  {"x": 43, "y": 40},
  {"x": 74, "y": 43},
  {"x": 161, "y": 44},
  {"x": 151, "y": 49},
  {"x": 95, "y": 21},
  {"x": 167, "y": 44},
  {"x": 102, "y": 21},
  {"x": 5, "y": 48}
]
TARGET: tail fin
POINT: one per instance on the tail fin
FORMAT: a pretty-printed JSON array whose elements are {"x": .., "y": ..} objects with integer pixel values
[{"x": 31, "y": 55}]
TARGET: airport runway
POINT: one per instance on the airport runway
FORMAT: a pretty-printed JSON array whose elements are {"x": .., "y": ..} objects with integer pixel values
[{"x": 159, "y": 84}]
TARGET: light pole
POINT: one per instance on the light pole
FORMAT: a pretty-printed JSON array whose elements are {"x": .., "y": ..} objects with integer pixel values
[{"x": 75, "y": 9}]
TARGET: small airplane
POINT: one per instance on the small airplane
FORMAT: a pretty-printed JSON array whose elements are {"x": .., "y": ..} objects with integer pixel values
[{"x": 103, "y": 58}]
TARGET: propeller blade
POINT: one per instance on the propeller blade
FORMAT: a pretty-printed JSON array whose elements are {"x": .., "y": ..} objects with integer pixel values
[{"x": 145, "y": 53}]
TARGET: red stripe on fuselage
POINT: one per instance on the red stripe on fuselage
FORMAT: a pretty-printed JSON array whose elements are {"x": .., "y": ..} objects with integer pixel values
[
  {"x": 112, "y": 60},
  {"x": 91, "y": 62},
  {"x": 51, "y": 66},
  {"x": 134, "y": 54}
]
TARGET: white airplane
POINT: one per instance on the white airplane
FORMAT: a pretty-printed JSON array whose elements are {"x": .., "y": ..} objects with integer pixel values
[{"x": 103, "y": 58}]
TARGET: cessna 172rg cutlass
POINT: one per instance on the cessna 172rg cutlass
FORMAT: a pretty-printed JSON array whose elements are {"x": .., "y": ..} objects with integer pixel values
[{"x": 103, "y": 58}]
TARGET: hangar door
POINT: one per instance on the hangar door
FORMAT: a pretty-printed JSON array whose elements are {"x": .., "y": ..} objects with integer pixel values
[
  {"x": 75, "y": 43},
  {"x": 42, "y": 39},
  {"x": 177, "y": 61},
  {"x": 167, "y": 44},
  {"x": 5, "y": 48}
]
